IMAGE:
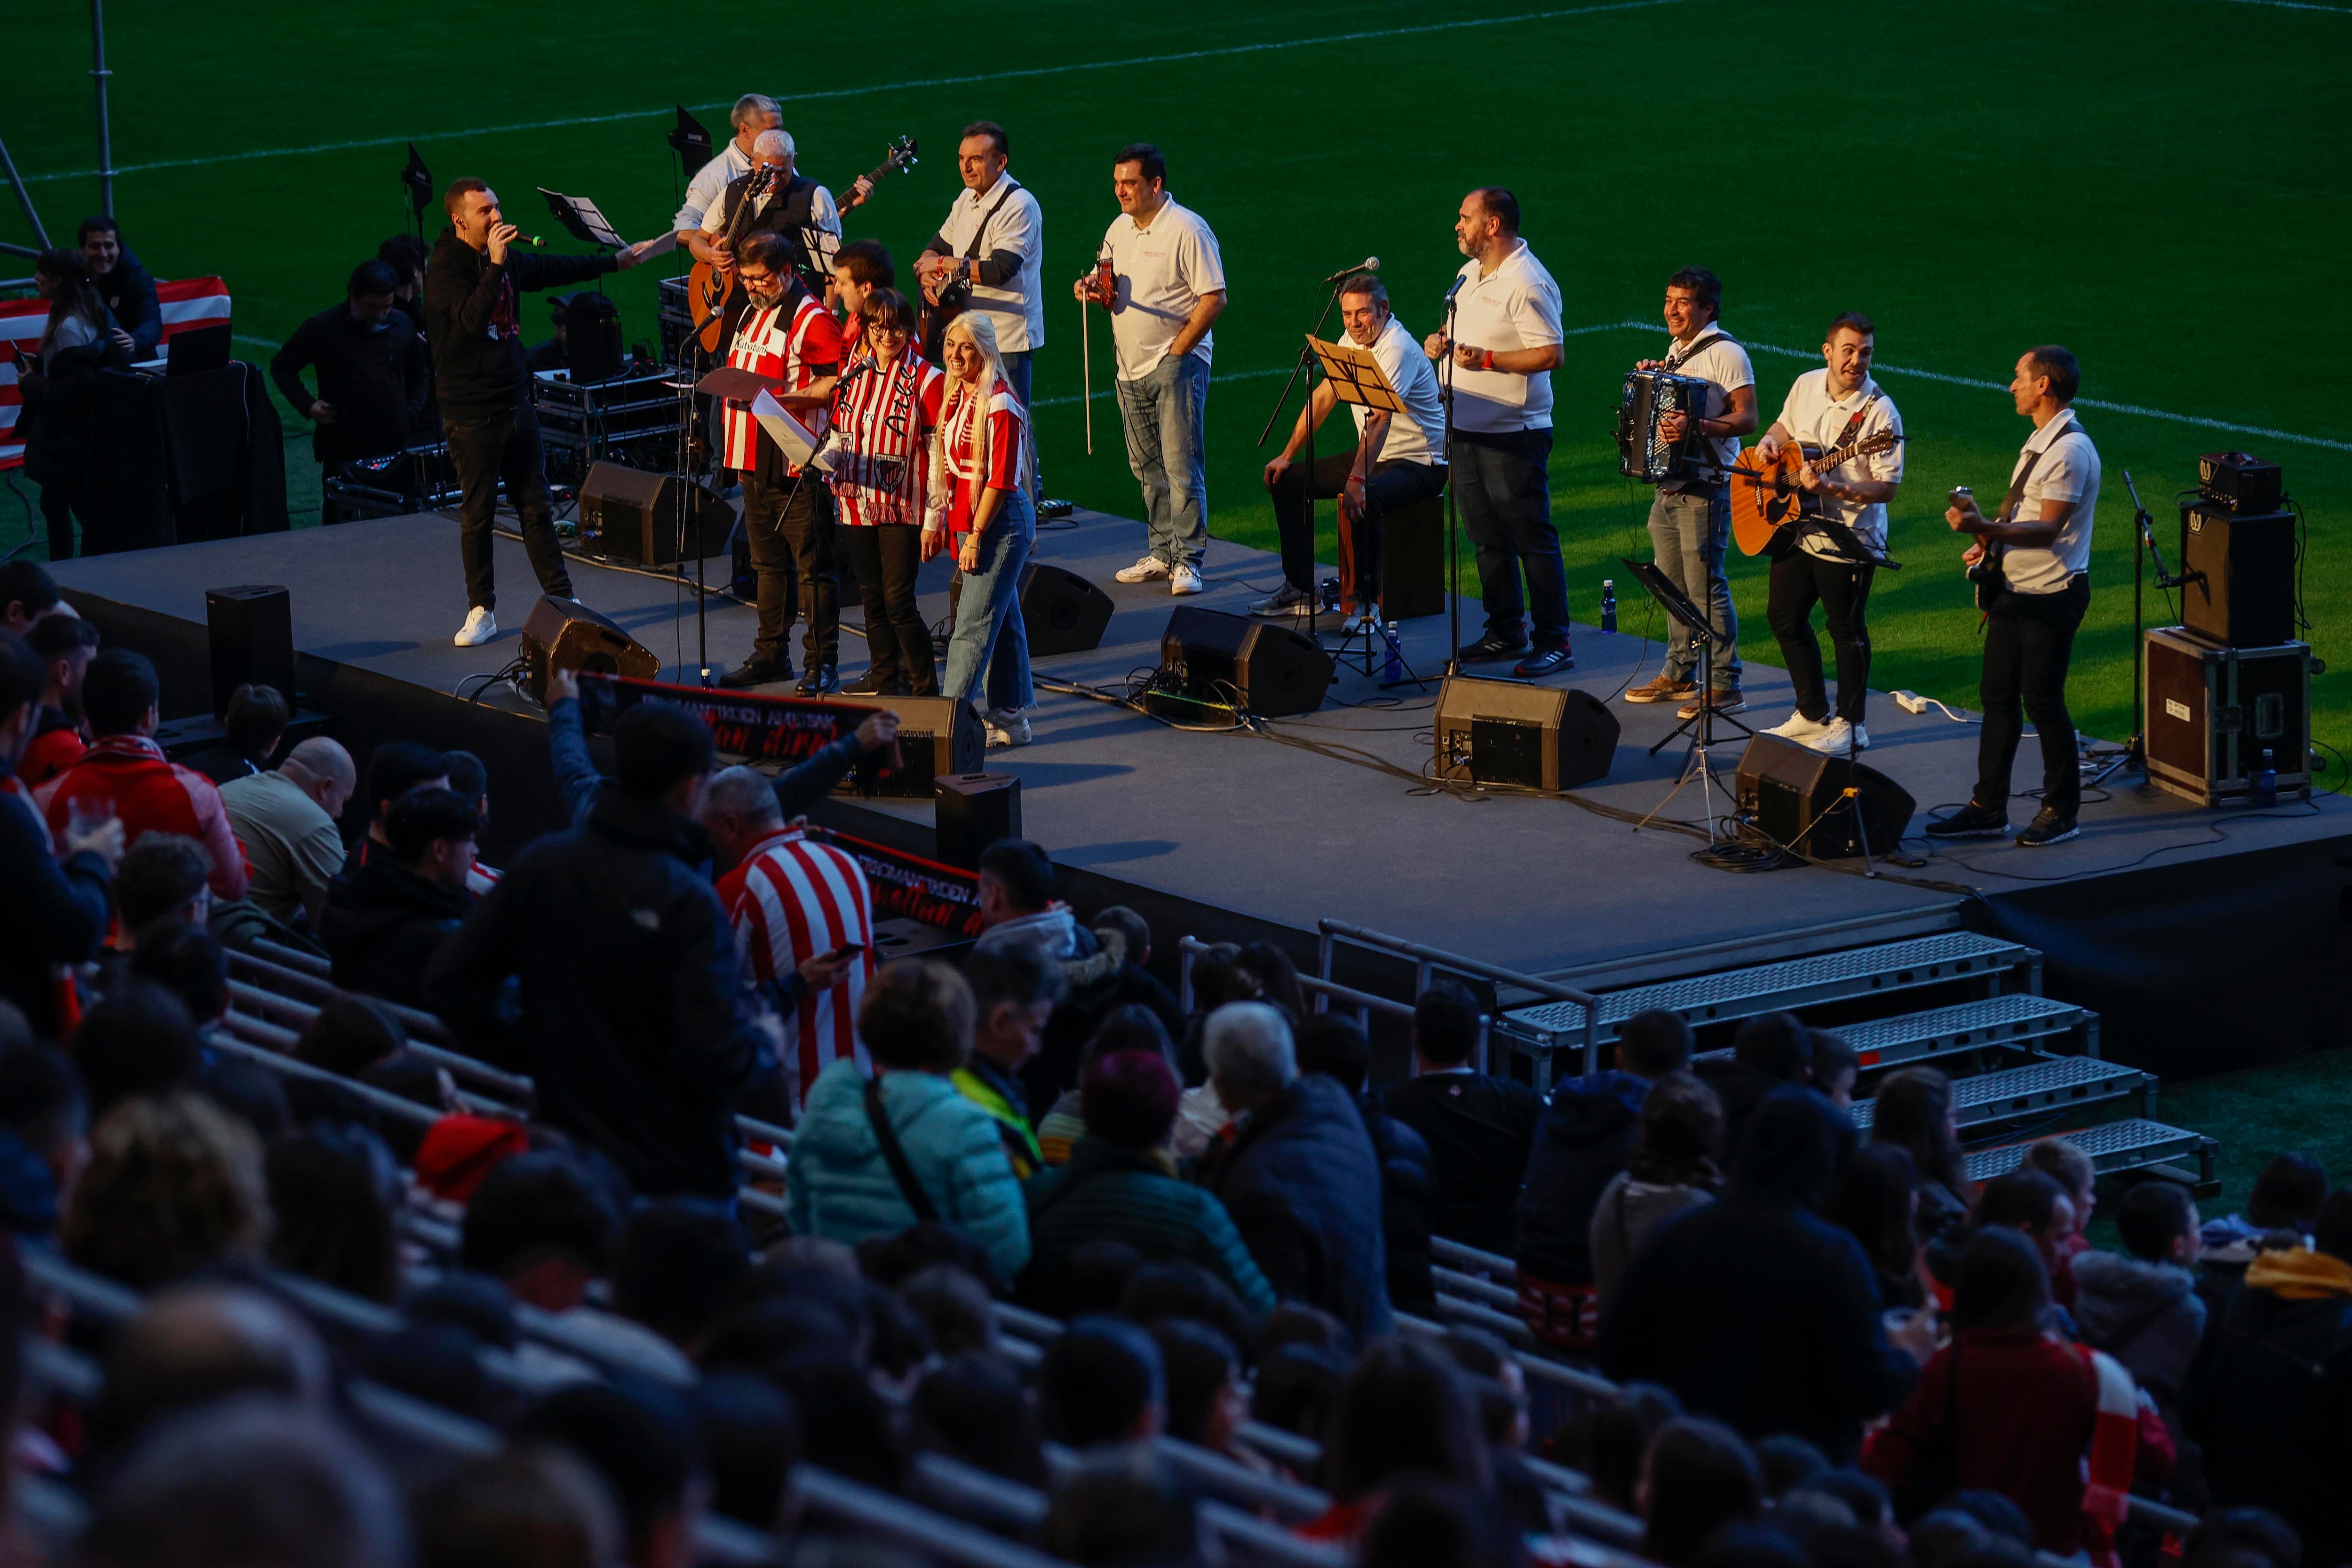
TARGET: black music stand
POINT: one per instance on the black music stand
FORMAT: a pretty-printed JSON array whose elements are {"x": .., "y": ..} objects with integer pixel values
[
  {"x": 1300, "y": 367},
  {"x": 1355, "y": 377},
  {"x": 583, "y": 219},
  {"x": 417, "y": 181},
  {"x": 1699, "y": 726}
]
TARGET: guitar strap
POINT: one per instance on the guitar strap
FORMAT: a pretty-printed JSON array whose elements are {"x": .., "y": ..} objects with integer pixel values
[{"x": 971, "y": 250}]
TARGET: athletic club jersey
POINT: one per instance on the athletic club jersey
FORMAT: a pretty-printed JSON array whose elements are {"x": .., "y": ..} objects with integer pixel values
[
  {"x": 882, "y": 422},
  {"x": 1008, "y": 430},
  {"x": 791, "y": 900},
  {"x": 791, "y": 343}
]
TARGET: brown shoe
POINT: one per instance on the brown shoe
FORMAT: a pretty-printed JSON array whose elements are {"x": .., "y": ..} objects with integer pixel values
[
  {"x": 1722, "y": 702},
  {"x": 1665, "y": 689}
]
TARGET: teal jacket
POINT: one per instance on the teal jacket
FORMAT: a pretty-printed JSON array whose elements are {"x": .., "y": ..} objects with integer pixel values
[
  {"x": 837, "y": 1183},
  {"x": 1108, "y": 1193}
]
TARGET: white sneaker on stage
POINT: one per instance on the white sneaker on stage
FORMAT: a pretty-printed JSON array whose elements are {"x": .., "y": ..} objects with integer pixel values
[
  {"x": 1833, "y": 739},
  {"x": 1007, "y": 727},
  {"x": 1797, "y": 728},
  {"x": 1860, "y": 738},
  {"x": 1150, "y": 569},
  {"x": 481, "y": 626},
  {"x": 1184, "y": 579}
]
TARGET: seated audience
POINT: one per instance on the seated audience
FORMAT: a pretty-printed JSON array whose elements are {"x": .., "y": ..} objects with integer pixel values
[
  {"x": 1339, "y": 1049},
  {"x": 393, "y": 768},
  {"x": 1113, "y": 979},
  {"x": 350, "y": 1034},
  {"x": 1015, "y": 989},
  {"x": 1671, "y": 1169},
  {"x": 44, "y": 1138},
  {"x": 1208, "y": 1400},
  {"x": 1479, "y": 1128},
  {"x": 2141, "y": 1306},
  {"x": 336, "y": 1196},
  {"x": 1117, "y": 1187},
  {"x": 138, "y": 1039},
  {"x": 1299, "y": 1177},
  {"x": 1128, "y": 1028},
  {"x": 64, "y": 646},
  {"x": 58, "y": 883},
  {"x": 2065, "y": 1163},
  {"x": 748, "y": 1435},
  {"x": 471, "y": 779},
  {"x": 943, "y": 1160},
  {"x": 674, "y": 1263},
  {"x": 1832, "y": 1067},
  {"x": 1769, "y": 1052},
  {"x": 1405, "y": 1414},
  {"x": 191, "y": 963},
  {"x": 1699, "y": 1477},
  {"x": 251, "y": 732},
  {"x": 28, "y": 595},
  {"x": 174, "y": 1186},
  {"x": 640, "y": 1441},
  {"x": 535, "y": 1503},
  {"x": 2028, "y": 1201},
  {"x": 385, "y": 926},
  {"x": 1120, "y": 1507},
  {"x": 1913, "y": 1110},
  {"x": 973, "y": 1407},
  {"x": 126, "y": 766},
  {"x": 1101, "y": 1381},
  {"x": 287, "y": 819},
  {"x": 540, "y": 1226},
  {"x": 2287, "y": 1197},
  {"x": 1876, "y": 1198},
  {"x": 166, "y": 880}
]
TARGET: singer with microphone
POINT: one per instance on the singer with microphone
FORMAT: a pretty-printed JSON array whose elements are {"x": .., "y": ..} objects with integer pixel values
[
  {"x": 1506, "y": 343},
  {"x": 1396, "y": 461},
  {"x": 470, "y": 283}
]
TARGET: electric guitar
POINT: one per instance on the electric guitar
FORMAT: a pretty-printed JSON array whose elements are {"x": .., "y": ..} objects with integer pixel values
[
  {"x": 1768, "y": 502},
  {"x": 708, "y": 289}
]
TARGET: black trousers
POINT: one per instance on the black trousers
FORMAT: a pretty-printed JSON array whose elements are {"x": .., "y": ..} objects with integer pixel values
[
  {"x": 1504, "y": 490},
  {"x": 62, "y": 503},
  {"x": 886, "y": 556},
  {"x": 2029, "y": 637},
  {"x": 790, "y": 527},
  {"x": 1798, "y": 583},
  {"x": 485, "y": 451},
  {"x": 1390, "y": 485}
]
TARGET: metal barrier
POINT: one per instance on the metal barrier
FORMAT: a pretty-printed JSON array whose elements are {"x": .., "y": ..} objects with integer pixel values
[
  {"x": 471, "y": 1068},
  {"x": 1427, "y": 960},
  {"x": 1322, "y": 989}
]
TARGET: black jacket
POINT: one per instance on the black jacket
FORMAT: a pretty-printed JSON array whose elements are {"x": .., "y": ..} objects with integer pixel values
[
  {"x": 1478, "y": 1130},
  {"x": 130, "y": 292},
  {"x": 1581, "y": 1145},
  {"x": 1302, "y": 1184},
  {"x": 2271, "y": 1405},
  {"x": 55, "y": 912},
  {"x": 374, "y": 381},
  {"x": 1408, "y": 1189},
  {"x": 470, "y": 322},
  {"x": 383, "y": 926},
  {"x": 58, "y": 421},
  {"x": 1099, "y": 983},
  {"x": 631, "y": 1001}
]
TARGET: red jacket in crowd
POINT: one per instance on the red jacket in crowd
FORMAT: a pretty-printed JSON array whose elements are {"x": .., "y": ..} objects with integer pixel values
[{"x": 150, "y": 796}]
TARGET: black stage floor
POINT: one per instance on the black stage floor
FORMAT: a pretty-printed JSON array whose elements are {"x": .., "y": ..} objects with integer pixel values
[{"x": 1237, "y": 833}]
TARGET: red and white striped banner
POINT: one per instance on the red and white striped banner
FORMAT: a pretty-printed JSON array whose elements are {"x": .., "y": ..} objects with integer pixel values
[{"x": 187, "y": 302}]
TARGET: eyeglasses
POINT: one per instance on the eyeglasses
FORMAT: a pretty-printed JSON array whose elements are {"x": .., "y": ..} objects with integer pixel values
[{"x": 888, "y": 330}]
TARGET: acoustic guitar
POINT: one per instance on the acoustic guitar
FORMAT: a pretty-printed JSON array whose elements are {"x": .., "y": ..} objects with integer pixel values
[{"x": 1766, "y": 497}]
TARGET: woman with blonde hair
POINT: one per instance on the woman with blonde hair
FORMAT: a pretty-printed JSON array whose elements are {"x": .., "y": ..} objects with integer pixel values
[{"x": 981, "y": 500}]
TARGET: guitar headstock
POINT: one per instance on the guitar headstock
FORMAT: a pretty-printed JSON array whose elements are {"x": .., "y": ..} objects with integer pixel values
[
  {"x": 1885, "y": 441},
  {"x": 764, "y": 181},
  {"x": 901, "y": 155}
]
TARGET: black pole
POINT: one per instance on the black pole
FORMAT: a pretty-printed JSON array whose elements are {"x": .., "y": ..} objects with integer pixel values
[{"x": 1452, "y": 513}]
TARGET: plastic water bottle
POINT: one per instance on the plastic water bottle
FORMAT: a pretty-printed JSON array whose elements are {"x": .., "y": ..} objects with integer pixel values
[
  {"x": 1608, "y": 604},
  {"x": 2263, "y": 791}
]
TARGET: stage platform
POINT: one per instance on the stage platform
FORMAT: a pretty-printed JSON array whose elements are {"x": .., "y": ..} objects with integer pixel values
[{"x": 2186, "y": 920}]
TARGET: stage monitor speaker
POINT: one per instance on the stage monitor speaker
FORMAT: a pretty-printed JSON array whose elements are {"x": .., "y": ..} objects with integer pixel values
[
  {"x": 1787, "y": 793},
  {"x": 938, "y": 738},
  {"x": 592, "y": 338},
  {"x": 631, "y": 515},
  {"x": 975, "y": 810},
  {"x": 563, "y": 634},
  {"x": 1532, "y": 737},
  {"x": 1259, "y": 667},
  {"x": 251, "y": 633},
  {"x": 2241, "y": 571},
  {"x": 1412, "y": 559},
  {"x": 1064, "y": 612},
  {"x": 2213, "y": 711}
]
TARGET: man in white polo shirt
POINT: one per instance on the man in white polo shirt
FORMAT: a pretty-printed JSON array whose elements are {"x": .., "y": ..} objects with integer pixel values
[
  {"x": 2040, "y": 545},
  {"x": 1505, "y": 345},
  {"x": 1690, "y": 520},
  {"x": 1396, "y": 460},
  {"x": 753, "y": 112},
  {"x": 1170, "y": 286},
  {"x": 1826, "y": 408}
]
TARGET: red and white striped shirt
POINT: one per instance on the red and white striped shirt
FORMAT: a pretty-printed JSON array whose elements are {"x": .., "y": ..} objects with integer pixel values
[
  {"x": 1008, "y": 435},
  {"x": 789, "y": 901},
  {"x": 791, "y": 343},
  {"x": 883, "y": 416}
]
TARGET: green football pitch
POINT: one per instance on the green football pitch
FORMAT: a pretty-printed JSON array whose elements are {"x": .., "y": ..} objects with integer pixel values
[{"x": 2161, "y": 186}]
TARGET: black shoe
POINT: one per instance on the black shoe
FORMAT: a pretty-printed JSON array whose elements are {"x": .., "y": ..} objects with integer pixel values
[
  {"x": 749, "y": 674},
  {"x": 820, "y": 678},
  {"x": 1491, "y": 648},
  {"x": 1051, "y": 509},
  {"x": 872, "y": 685},
  {"x": 1971, "y": 821},
  {"x": 2047, "y": 827},
  {"x": 1543, "y": 661}
]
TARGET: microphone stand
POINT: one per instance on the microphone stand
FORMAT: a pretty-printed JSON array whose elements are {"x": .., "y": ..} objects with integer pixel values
[
  {"x": 2145, "y": 549},
  {"x": 1452, "y": 515},
  {"x": 1302, "y": 367}
]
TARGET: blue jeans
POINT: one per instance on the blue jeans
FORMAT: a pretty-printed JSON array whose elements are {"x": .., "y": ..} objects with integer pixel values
[
  {"x": 1166, "y": 414},
  {"x": 988, "y": 633},
  {"x": 1689, "y": 532}
]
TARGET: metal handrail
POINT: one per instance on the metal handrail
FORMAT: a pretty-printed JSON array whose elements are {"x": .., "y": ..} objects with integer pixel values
[
  {"x": 1323, "y": 990},
  {"x": 1426, "y": 959},
  {"x": 470, "y": 1068}
]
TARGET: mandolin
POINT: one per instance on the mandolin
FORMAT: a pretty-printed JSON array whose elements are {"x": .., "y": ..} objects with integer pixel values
[{"x": 1768, "y": 501}]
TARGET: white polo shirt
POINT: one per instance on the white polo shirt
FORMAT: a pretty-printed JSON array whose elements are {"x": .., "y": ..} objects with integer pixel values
[
  {"x": 1810, "y": 416},
  {"x": 1417, "y": 435},
  {"x": 1016, "y": 308},
  {"x": 1516, "y": 306},
  {"x": 709, "y": 183},
  {"x": 1162, "y": 272},
  {"x": 2069, "y": 470},
  {"x": 1724, "y": 366}
]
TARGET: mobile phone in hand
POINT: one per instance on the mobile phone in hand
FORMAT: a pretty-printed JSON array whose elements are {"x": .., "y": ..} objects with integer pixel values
[{"x": 847, "y": 950}]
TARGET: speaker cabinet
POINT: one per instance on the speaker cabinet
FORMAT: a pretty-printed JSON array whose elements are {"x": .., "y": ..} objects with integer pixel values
[
  {"x": 628, "y": 514},
  {"x": 1412, "y": 559},
  {"x": 1257, "y": 666},
  {"x": 1063, "y": 612},
  {"x": 251, "y": 633},
  {"x": 938, "y": 738},
  {"x": 2213, "y": 711},
  {"x": 1532, "y": 737},
  {"x": 1787, "y": 791},
  {"x": 562, "y": 635},
  {"x": 2240, "y": 592},
  {"x": 975, "y": 810}
]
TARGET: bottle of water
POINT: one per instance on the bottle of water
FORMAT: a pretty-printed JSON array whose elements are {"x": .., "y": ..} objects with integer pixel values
[
  {"x": 2263, "y": 791},
  {"x": 1608, "y": 604}
]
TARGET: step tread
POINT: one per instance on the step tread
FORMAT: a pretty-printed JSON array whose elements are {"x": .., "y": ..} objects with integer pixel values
[
  {"x": 2112, "y": 1146},
  {"x": 2046, "y": 1075},
  {"x": 2014, "y": 1012}
]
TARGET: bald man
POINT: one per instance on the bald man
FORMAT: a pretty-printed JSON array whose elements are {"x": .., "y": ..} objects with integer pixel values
[{"x": 286, "y": 820}]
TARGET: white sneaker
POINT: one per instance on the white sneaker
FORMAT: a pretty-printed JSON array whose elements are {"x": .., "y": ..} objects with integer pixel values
[
  {"x": 1833, "y": 739},
  {"x": 1860, "y": 738},
  {"x": 1150, "y": 569},
  {"x": 1184, "y": 579},
  {"x": 1798, "y": 728},
  {"x": 481, "y": 626},
  {"x": 1008, "y": 727}
]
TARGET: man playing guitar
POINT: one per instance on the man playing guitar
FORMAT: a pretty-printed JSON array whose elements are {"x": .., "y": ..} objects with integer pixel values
[
  {"x": 800, "y": 211},
  {"x": 1827, "y": 408}
]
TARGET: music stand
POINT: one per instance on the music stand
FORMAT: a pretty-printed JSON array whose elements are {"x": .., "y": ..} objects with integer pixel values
[
  {"x": 417, "y": 181},
  {"x": 1355, "y": 377},
  {"x": 1699, "y": 726},
  {"x": 1302, "y": 366},
  {"x": 583, "y": 219}
]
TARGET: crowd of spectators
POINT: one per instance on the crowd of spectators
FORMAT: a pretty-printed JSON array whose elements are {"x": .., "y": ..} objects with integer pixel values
[{"x": 1822, "y": 1349}]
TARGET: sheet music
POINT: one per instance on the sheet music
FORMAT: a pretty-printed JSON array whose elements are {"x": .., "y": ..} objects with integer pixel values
[
  {"x": 584, "y": 218},
  {"x": 789, "y": 434}
]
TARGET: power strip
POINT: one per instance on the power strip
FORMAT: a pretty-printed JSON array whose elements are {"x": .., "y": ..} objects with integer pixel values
[{"x": 1912, "y": 702}]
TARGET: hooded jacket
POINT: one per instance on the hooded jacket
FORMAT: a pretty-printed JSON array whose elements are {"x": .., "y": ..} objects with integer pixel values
[
  {"x": 2145, "y": 1315},
  {"x": 472, "y": 327},
  {"x": 1580, "y": 1145},
  {"x": 383, "y": 926},
  {"x": 632, "y": 1003}
]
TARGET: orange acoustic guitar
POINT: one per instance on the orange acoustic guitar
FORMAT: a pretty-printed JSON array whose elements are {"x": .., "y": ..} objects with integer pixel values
[{"x": 1766, "y": 497}]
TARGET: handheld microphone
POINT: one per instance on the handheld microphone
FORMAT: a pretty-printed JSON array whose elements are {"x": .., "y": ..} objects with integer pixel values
[{"x": 1368, "y": 264}]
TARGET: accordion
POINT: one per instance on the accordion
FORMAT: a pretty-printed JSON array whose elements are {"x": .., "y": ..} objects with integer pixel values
[{"x": 1643, "y": 453}]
